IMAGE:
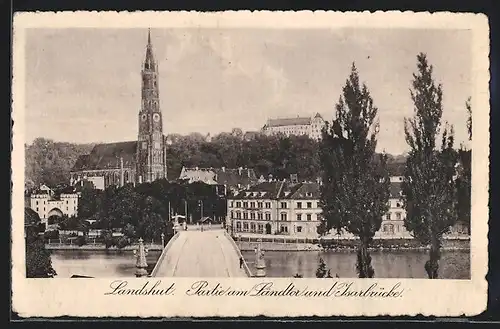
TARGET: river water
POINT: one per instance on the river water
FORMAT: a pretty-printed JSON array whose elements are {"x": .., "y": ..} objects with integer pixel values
[{"x": 387, "y": 264}]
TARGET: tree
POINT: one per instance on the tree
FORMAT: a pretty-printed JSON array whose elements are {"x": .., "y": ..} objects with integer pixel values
[
  {"x": 355, "y": 189},
  {"x": 322, "y": 271},
  {"x": 463, "y": 181},
  {"x": 38, "y": 262},
  {"x": 428, "y": 184}
]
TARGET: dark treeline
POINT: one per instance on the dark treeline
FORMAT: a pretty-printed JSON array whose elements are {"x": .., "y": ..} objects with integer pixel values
[
  {"x": 50, "y": 162},
  {"x": 142, "y": 211}
]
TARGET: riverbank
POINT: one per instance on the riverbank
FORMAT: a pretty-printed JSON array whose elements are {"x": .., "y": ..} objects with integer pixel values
[
  {"x": 351, "y": 245},
  {"x": 91, "y": 247}
]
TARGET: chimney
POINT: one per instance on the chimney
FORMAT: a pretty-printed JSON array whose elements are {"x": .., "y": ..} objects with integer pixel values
[{"x": 121, "y": 171}]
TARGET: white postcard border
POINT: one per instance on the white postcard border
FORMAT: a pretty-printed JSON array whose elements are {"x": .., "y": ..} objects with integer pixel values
[{"x": 86, "y": 298}]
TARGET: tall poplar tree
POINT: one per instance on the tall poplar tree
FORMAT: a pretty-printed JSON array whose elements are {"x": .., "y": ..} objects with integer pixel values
[
  {"x": 429, "y": 185},
  {"x": 463, "y": 181},
  {"x": 355, "y": 190}
]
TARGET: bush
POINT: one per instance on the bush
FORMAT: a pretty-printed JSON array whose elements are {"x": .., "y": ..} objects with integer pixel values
[
  {"x": 81, "y": 240},
  {"x": 52, "y": 235},
  {"x": 122, "y": 242}
]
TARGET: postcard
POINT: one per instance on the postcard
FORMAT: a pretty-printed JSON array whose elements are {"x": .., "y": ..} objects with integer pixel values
[{"x": 226, "y": 164}]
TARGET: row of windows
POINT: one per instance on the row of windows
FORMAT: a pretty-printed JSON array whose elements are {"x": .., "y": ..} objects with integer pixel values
[
  {"x": 252, "y": 204},
  {"x": 389, "y": 228},
  {"x": 283, "y": 205},
  {"x": 266, "y": 216},
  {"x": 256, "y": 228},
  {"x": 67, "y": 208},
  {"x": 259, "y": 228},
  {"x": 399, "y": 216},
  {"x": 67, "y": 202},
  {"x": 260, "y": 216},
  {"x": 397, "y": 204}
]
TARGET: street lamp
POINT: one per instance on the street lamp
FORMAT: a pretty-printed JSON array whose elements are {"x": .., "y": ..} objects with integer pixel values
[
  {"x": 260, "y": 263},
  {"x": 141, "y": 264}
]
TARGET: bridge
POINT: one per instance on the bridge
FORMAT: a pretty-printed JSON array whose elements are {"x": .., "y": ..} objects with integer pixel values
[{"x": 208, "y": 253}]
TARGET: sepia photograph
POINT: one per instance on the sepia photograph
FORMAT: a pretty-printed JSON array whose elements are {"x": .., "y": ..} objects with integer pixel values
[{"x": 225, "y": 151}]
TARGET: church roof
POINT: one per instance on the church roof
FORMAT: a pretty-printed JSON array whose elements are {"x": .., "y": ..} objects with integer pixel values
[
  {"x": 107, "y": 156},
  {"x": 220, "y": 176}
]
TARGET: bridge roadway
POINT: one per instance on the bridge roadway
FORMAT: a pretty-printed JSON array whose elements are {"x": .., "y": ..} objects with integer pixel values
[{"x": 200, "y": 254}]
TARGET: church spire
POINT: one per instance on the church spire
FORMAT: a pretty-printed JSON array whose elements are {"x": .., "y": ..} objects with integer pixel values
[{"x": 149, "y": 62}]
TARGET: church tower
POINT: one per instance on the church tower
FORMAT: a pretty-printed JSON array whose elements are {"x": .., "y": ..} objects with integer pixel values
[{"x": 151, "y": 143}]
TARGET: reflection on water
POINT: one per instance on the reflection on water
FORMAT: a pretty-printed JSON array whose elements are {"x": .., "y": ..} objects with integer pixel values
[
  {"x": 98, "y": 263},
  {"x": 387, "y": 264}
]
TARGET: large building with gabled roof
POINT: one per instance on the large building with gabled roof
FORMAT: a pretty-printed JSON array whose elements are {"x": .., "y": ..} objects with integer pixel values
[
  {"x": 299, "y": 126},
  {"x": 143, "y": 160}
]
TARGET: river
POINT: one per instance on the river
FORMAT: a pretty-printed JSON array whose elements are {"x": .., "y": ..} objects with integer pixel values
[{"x": 387, "y": 264}]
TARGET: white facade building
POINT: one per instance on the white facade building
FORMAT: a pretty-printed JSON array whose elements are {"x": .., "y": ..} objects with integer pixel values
[
  {"x": 310, "y": 126},
  {"x": 46, "y": 205}
]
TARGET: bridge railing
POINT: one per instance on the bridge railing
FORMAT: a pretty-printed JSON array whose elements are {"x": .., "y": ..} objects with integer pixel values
[
  {"x": 238, "y": 251},
  {"x": 163, "y": 253}
]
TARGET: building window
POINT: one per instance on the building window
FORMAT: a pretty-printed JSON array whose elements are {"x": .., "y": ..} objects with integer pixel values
[
  {"x": 388, "y": 216},
  {"x": 259, "y": 216},
  {"x": 299, "y": 205},
  {"x": 232, "y": 204},
  {"x": 261, "y": 228},
  {"x": 317, "y": 205},
  {"x": 309, "y": 205},
  {"x": 245, "y": 204},
  {"x": 398, "y": 205},
  {"x": 398, "y": 216},
  {"x": 283, "y": 216},
  {"x": 299, "y": 216},
  {"x": 245, "y": 227},
  {"x": 37, "y": 209},
  {"x": 238, "y": 204},
  {"x": 245, "y": 215},
  {"x": 268, "y": 205},
  {"x": 67, "y": 201},
  {"x": 309, "y": 216},
  {"x": 238, "y": 215},
  {"x": 37, "y": 202},
  {"x": 268, "y": 216},
  {"x": 252, "y": 227},
  {"x": 252, "y": 215},
  {"x": 259, "y": 204},
  {"x": 252, "y": 204},
  {"x": 232, "y": 214},
  {"x": 238, "y": 226},
  {"x": 299, "y": 229},
  {"x": 284, "y": 229},
  {"x": 283, "y": 205}
]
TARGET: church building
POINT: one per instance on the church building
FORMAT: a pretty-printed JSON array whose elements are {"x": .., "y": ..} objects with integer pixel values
[{"x": 138, "y": 161}]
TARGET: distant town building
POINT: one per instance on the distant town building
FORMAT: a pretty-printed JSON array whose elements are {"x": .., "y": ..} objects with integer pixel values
[
  {"x": 232, "y": 180},
  {"x": 393, "y": 221},
  {"x": 276, "y": 207},
  {"x": 143, "y": 160},
  {"x": 250, "y": 135},
  {"x": 309, "y": 126},
  {"x": 283, "y": 207},
  {"x": 45, "y": 202}
]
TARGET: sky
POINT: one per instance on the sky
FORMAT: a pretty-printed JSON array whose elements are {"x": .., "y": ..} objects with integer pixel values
[{"x": 84, "y": 85}]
